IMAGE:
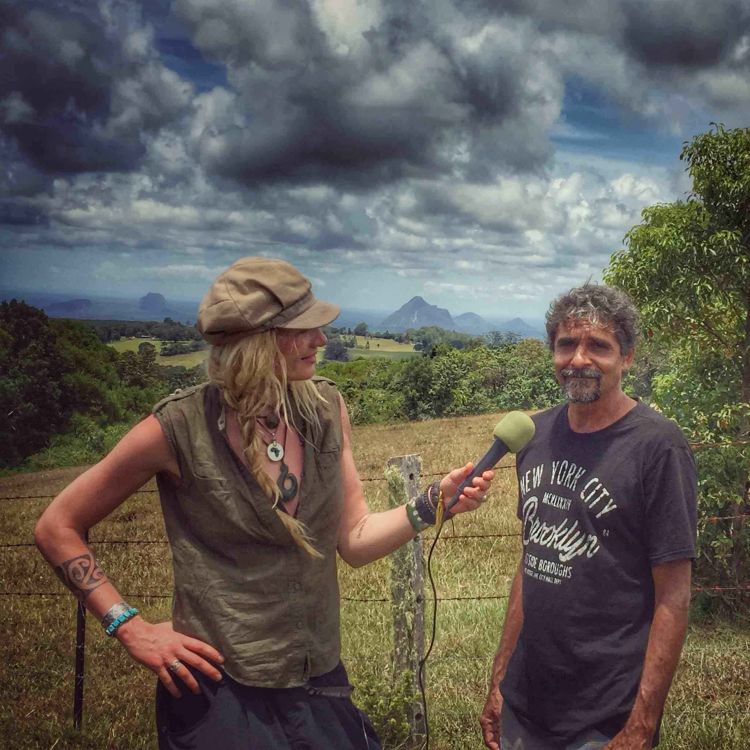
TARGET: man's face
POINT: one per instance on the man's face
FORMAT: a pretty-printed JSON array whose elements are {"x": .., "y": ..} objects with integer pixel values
[{"x": 588, "y": 361}]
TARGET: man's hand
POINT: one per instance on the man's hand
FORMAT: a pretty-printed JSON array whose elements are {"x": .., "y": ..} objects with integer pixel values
[
  {"x": 630, "y": 739},
  {"x": 490, "y": 719}
]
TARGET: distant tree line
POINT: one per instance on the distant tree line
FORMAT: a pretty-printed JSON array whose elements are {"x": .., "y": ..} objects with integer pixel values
[
  {"x": 423, "y": 339},
  {"x": 167, "y": 330},
  {"x": 170, "y": 349}
]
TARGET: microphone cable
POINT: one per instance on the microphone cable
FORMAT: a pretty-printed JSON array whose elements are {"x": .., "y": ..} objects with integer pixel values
[{"x": 439, "y": 523}]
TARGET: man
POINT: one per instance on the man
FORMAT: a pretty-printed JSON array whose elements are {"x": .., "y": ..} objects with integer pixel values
[{"x": 599, "y": 605}]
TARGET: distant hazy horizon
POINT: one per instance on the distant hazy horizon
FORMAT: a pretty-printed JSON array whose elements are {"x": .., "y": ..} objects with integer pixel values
[{"x": 184, "y": 310}]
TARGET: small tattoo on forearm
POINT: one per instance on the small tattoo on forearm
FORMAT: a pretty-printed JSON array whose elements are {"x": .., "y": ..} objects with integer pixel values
[
  {"x": 81, "y": 575},
  {"x": 361, "y": 527}
]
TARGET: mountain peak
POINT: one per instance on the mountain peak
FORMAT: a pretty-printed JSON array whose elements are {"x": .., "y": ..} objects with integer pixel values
[{"x": 418, "y": 313}]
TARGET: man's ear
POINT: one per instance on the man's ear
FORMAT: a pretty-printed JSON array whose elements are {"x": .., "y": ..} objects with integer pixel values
[{"x": 627, "y": 359}]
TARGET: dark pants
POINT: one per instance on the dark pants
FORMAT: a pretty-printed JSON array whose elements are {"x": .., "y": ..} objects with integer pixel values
[
  {"x": 515, "y": 736},
  {"x": 229, "y": 716}
]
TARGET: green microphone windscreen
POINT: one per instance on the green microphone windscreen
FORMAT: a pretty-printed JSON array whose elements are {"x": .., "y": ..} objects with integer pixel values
[{"x": 515, "y": 429}]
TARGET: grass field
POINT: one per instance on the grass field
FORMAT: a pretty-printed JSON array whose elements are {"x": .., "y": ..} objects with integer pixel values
[
  {"x": 385, "y": 348},
  {"x": 384, "y": 345},
  {"x": 178, "y": 360},
  {"x": 707, "y": 709}
]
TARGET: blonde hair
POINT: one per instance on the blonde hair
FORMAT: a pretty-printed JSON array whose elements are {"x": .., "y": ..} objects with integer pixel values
[{"x": 251, "y": 373}]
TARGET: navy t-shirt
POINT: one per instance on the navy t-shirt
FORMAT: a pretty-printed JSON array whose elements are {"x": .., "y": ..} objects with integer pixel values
[{"x": 598, "y": 510}]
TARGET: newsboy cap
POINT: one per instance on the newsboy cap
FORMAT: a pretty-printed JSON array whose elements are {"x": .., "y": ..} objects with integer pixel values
[{"x": 257, "y": 294}]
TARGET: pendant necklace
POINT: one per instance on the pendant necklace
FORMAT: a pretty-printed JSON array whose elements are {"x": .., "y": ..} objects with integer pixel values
[
  {"x": 287, "y": 482},
  {"x": 274, "y": 449}
]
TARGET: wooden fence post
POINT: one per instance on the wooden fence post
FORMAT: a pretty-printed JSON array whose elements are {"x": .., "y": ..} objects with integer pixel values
[{"x": 407, "y": 589}]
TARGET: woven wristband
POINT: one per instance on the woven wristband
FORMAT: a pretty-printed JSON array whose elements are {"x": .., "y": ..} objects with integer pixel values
[
  {"x": 424, "y": 508},
  {"x": 416, "y": 522}
]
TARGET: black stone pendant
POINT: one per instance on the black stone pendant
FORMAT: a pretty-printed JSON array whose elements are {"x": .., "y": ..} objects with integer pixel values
[
  {"x": 272, "y": 421},
  {"x": 287, "y": 483}
]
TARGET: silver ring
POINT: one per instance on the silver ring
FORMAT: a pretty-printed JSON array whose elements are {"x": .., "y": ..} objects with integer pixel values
[{"x": 174, "y": 666}]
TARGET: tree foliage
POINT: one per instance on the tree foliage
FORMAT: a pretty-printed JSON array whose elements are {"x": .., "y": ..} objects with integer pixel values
[
  {"x": 336, "y": 350},
  {"x": 167, "y": 330},
  {"x": 687, "y": 266},
  {"x": 57, "y": 376},
  {"x": 447, "y": 382}
]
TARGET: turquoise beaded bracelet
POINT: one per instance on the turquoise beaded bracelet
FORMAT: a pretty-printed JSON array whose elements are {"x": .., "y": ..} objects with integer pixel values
[{"x": 128, "y": 614}]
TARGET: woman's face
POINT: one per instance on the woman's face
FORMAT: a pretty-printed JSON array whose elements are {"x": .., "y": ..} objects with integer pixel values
[{"x": 299, "y": 349}]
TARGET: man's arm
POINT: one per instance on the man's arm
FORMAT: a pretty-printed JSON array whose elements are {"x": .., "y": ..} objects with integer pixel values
[
  {"x": 490, "y": 718},
  {"x": 667, "y": 634}
]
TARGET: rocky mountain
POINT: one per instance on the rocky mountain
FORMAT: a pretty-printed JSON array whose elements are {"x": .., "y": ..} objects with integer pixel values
[
  {"x": 522, "y": 328},
  {"x": 153, "y": 303},
  {"x": 417, "y": 313},
  {"x": 472, "y": 323}
]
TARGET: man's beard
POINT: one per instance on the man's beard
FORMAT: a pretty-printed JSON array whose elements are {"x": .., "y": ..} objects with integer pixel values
[{"x": 581, "y": 386}]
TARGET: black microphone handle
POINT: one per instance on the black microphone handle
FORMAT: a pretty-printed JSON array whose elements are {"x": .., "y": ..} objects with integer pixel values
[{"x": 497, "y": 450}]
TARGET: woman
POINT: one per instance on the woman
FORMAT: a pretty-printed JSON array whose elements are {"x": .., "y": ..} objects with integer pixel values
[{"x": 259, "y": 491}]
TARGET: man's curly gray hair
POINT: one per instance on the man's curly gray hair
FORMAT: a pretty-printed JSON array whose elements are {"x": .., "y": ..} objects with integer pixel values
[{"x": 603, "y": 306}]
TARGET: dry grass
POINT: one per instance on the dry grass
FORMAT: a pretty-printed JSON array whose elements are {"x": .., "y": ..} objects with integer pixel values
[{"x": 708, "y": 707}]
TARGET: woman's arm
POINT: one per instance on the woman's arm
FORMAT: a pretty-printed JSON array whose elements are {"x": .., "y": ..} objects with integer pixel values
[
  {"x": 366, "y": 536},
  {"x": 59, "y": 535}
]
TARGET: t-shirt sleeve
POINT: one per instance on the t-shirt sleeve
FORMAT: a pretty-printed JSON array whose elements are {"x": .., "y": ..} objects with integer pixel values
[{"x": 670, "y": 491}]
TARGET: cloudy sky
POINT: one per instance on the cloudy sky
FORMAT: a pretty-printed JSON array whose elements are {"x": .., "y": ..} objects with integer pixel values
[{"x": 485, "y": 154}]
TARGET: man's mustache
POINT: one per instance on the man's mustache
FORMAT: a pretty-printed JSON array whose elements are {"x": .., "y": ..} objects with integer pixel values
[{"x": 584, "y": 372}]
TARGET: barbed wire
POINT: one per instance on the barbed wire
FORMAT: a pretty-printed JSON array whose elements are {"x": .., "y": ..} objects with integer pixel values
[
  {"x": 380, "y": 600},
  {"x": 426, "y": 537},
  {"x": 694, "y": 445},
  {"x": 154, "y": 491}
]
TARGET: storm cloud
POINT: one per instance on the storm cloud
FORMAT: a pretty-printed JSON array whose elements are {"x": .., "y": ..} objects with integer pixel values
[{"x": 435, "y": 140}]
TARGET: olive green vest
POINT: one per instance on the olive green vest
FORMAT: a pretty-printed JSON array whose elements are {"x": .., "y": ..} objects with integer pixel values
[{"x": 240, "y": 582}]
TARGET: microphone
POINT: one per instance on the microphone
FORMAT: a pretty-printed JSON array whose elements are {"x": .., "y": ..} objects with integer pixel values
[{"x": 511, "y": 433}]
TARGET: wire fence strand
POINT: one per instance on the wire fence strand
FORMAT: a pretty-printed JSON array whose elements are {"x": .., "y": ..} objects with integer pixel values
[{"x": 426, "y": 537}]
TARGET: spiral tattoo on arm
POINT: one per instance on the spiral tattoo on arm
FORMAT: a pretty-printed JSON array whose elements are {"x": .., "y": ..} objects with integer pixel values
[{"x": 81, "y": 575}]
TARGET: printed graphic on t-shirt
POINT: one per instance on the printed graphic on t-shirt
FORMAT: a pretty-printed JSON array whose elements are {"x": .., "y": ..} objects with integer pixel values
[{"x": 555, "y": 540}]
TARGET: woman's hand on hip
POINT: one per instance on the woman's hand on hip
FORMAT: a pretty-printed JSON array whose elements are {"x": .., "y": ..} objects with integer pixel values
[{"x": 167, "y": 652}]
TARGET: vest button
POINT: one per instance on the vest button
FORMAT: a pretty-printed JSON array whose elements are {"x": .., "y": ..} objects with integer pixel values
[{"x": 300, "y": 624}]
